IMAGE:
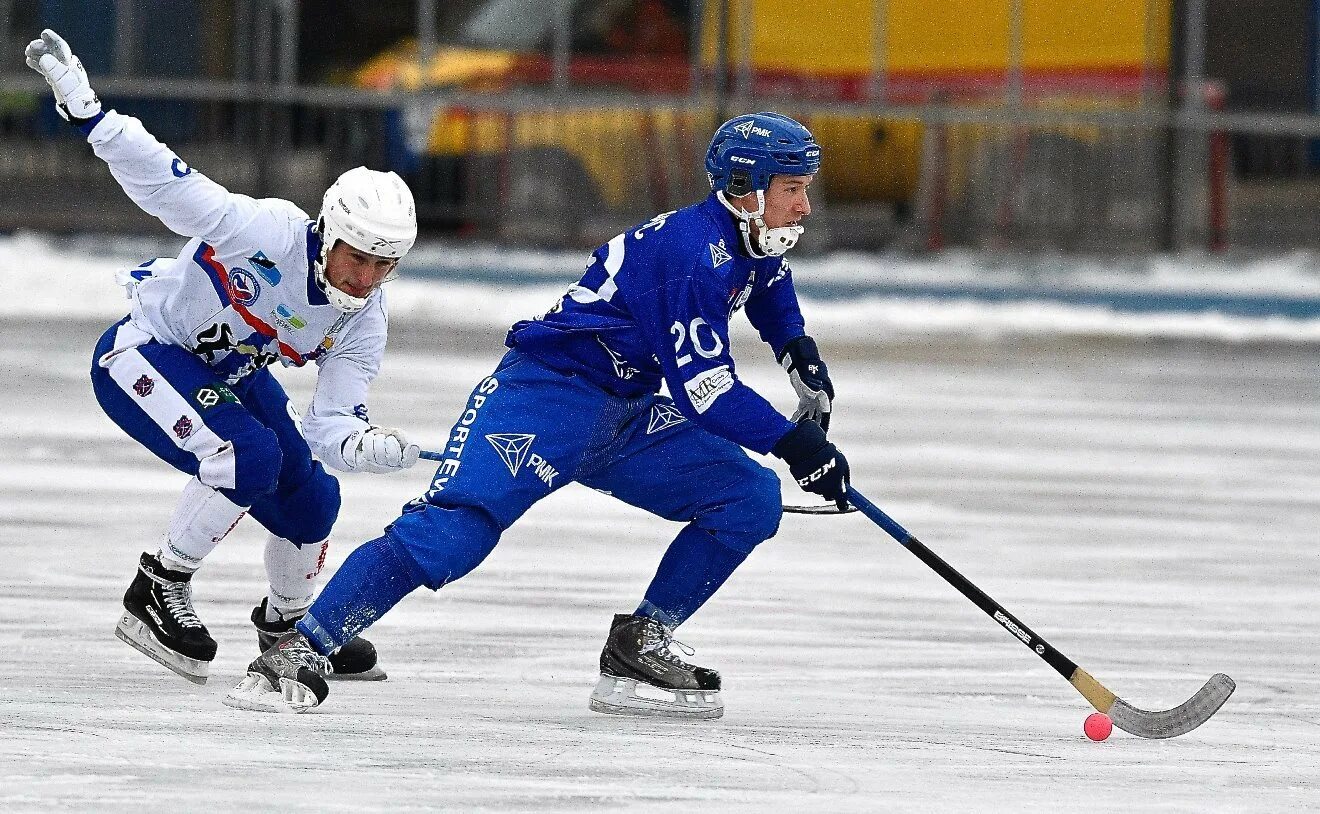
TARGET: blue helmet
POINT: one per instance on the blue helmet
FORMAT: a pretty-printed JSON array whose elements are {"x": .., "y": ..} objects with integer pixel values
[{"x": 747, "y": 150}]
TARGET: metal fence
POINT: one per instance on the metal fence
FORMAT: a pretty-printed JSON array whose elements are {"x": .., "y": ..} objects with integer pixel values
[{"x": 574, "y": 169}]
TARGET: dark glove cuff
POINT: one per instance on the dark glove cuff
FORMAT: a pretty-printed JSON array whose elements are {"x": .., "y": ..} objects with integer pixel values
[
  {"x": 801, "y": 442},
  {"x": 86, "y": 125},
  {"x": 800, "y": 348}
]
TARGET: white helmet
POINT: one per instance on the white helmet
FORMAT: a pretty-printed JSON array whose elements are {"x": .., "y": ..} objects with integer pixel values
[{"x": 370, "y": 211}]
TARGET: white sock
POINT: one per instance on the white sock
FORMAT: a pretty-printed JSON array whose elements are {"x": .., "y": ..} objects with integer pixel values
[
  {"x": 201, "y": 520},
  {"x": 292, "y": 572}
]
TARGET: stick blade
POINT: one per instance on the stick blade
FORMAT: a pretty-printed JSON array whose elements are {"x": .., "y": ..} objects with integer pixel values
[
  {"x": 822, "y": 508},
  {"x": 1180, "y": 720}
]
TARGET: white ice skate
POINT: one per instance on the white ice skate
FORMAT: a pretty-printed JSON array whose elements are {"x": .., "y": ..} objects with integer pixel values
[
  {"x": 628, "y": 696},
  {"x": 286, "y": 678}
]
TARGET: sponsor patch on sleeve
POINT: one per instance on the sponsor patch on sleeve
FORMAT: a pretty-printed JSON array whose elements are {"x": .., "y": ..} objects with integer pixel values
[{"x": 705, "y": 387}]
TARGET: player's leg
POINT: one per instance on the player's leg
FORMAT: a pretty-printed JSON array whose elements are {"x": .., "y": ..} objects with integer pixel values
[
  {"x": 170, "y": 402},
  {"x": 299, "y": 515},
  {"x": 730, "y": 505},
  {"x": 521, "y": 435}
]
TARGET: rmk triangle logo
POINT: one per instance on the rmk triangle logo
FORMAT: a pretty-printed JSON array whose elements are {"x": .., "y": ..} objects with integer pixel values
[
  {"x": 718, "y": 256},
  {"x": 663, "y": 416},
  {"x": 512, "y": 448}
]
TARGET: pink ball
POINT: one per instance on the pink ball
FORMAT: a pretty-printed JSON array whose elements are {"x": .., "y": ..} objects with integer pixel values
[{"x": 1098, "y": 726}]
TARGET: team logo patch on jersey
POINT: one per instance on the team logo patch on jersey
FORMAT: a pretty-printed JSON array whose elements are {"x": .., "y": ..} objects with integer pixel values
[
  {"x": 144, "y": 385},
  {"x": 514, "y": 449},
  {"x": 243, "y": 286},
  {"x": 663, "y": 416},
  {"x": 213, "y": 395},
  {"x": 719, "y": 256},
  {"x": 183, "y": 427},
  {"x": 264, "y": 268}
]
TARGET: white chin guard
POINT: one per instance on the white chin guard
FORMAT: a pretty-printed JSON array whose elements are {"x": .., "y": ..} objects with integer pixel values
[
  {"x": 774, "y": 242},
  {"x": 769, "y": 242}
]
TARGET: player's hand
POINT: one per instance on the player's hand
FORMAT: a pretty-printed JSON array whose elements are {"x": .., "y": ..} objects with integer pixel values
[
  {"x": 816, "y": 464},
  {"x": 379, "y": 450},
  {"x": 74, "y": 98},
  {"x": 811, "y": 380}
]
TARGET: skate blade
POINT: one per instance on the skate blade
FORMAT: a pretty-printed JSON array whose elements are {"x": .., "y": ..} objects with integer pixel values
[
  {"x": 134, "y": 633},
  {"x": 627, "y": 696},
  {"x": 255, "y": 694},
  {"x": 374, "y": 674}
]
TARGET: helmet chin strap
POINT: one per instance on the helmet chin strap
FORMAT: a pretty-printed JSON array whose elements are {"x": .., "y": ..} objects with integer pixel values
[{"x": 768, "y": 242}]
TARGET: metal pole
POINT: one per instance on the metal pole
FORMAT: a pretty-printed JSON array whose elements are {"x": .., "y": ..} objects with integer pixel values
[
  {"x": 1192, "y": 169},
  {"x": 879, "y": 50},
  {"x": 1148, "y": 55},
  {"x": 125, "y": 44},
  {"x": 288, "y": 24},
  {"x": 1016, "y": 55},
  {"x": 6, "y": 24},
  {"x": 242, "y": 46},
  {"x": 1169, "y": 170},
  {"x": 561, "y": 51},
  {"x": 426, "y": 31},
  {"x": 696, "y": 48},
  {"x": 263, "y": 59},
  {"x": 721, "y": 76},
  {"x": 743, "y": 90}
]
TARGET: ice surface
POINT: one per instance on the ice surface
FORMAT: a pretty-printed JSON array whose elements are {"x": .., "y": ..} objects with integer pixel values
[{"x": 1150, "y": 507}]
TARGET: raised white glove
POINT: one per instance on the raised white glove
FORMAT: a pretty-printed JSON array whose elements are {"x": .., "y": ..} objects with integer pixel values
[
  {"x": 379, "y": 450},
  {"x": 74, "y": 98}
]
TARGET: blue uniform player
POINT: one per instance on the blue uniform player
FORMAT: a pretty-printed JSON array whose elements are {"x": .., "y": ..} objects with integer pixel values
[{"x": 576, "y": 398}]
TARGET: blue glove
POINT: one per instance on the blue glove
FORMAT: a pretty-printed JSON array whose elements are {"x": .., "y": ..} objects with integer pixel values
[{"x": 811, "y": 380}]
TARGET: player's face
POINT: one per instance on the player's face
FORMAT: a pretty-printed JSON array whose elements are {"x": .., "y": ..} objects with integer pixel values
[
  {"x": 355, "y": 272},
  {"x": 786, "y": 202}
]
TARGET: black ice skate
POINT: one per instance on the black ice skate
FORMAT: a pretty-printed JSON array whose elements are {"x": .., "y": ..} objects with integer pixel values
[
  {"x": 355, "y": 661},
  {"x": 639, "y": 675},
  {"x": 288, "y": 677},
  {"x": 159, "y": 621}
]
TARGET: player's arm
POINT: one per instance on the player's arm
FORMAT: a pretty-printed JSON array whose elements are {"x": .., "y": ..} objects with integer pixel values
[
  {"x": 157, "y": 180},
  {"x": 775, "y": 314},
  {"x": 694, "y": 357},
  {"x": 686, "y": 323},
  {"x": 337, "y": 425}
]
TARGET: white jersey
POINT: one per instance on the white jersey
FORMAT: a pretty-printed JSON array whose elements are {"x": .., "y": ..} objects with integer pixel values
[{"x": 242, "y": 294}]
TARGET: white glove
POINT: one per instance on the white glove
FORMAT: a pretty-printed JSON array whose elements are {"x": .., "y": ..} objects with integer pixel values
[
  {"x": 379, "y": 450},
  {"x": 74, "y": 98}
]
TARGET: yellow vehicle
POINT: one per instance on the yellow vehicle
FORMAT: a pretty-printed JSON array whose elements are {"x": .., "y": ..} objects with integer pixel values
[{"x": 646, "y": 155}]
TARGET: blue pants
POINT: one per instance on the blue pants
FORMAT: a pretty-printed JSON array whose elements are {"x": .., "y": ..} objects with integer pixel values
[
  {"x": 526, "y": 431},
  {"x": 241, "y": 439}
]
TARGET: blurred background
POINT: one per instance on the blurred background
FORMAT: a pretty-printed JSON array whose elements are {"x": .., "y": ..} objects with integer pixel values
[{"x": 1109, "y": 127}]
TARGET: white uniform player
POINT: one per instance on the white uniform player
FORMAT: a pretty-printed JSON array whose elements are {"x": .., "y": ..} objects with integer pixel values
[{"x": 185, "y": 373}]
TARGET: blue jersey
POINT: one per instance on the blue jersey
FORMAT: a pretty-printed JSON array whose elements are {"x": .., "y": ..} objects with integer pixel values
[{"x": 654, "y": 306}]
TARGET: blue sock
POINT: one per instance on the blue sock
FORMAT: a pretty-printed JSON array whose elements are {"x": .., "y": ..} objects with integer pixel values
[
  {"x": 692, "y": 570},
  {"x": 371, "y": 581}
]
